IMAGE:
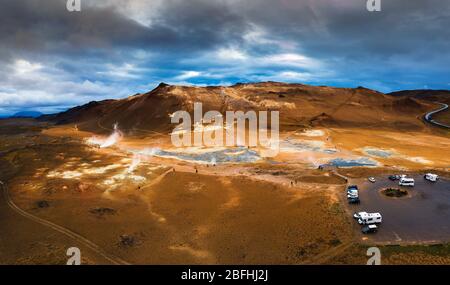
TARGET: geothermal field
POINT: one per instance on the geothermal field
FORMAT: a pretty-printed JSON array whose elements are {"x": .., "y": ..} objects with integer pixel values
[{"x": 105, "y": 177}]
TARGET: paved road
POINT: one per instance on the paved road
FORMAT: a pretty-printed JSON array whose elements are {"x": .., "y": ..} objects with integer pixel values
[
  {"x": 429, "y": 116},
  {"x": 82, "y": 240}
]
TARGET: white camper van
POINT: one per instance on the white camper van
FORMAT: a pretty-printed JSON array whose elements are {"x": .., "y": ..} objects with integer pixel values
[
  {"x": 431, "y": 177},
  {"x": 404, "y": 181},
  {"x": 369, "y": 218}
]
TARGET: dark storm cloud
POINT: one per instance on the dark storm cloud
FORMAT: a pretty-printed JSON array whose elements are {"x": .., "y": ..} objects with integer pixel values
[
  {"x": 332, "y": 27},
  {"x": 321, "y": 27},
  {"x": 127, "y": 46},
  {"x": 47, "y": 26}
]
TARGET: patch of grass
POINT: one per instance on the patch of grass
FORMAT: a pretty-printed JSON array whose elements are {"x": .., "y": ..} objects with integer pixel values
[{"x": 394, "y": 192}]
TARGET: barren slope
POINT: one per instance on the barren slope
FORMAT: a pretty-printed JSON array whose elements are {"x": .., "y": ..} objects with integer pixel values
[{"x": 299, "y": 105}]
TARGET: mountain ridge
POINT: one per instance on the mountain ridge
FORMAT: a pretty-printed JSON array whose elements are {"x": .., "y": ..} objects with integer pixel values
[{"x": 300, "y": 106}]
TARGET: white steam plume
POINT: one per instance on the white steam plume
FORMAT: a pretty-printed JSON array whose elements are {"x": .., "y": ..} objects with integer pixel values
[
  {"x": 111, "y": 140},
  {"x": 134, "y": 163}
]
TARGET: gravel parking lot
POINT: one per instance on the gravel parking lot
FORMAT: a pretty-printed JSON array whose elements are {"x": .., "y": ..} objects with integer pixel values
[{"x": 421, "y": 216}]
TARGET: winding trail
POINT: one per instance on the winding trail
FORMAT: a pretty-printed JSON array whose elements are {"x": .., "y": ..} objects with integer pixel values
[
  {"x": 429, "y": 116},
  {"x": 325, "y": 256},
  {"x": 157, "y": 179},
  {"x": 82, "y": 240}
]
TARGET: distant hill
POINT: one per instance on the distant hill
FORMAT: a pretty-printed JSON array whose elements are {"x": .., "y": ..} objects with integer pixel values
[
  {"x": 27, "y": 114},
  {"x": 300, "y": 106},
  {"x": 442, "y": 96}
]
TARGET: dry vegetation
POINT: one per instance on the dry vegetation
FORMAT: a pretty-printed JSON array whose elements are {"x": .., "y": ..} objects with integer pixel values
[{"x": 274, "y": 211}]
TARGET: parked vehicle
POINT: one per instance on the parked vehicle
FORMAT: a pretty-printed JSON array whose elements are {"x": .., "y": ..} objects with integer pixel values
[
  {"x": 353, "y": 194},
  {"x": 405, "y": 181},
  {"x": 431, "y": 177},
  {"x": 357, "y": 215},
  {"x": 394, "y": 177},
  {"x": 369, "y": 229},
  {"x": 372, "y": 179},
  {"x": 370, "y": 218},
  {"x": 352, "y": 190}
]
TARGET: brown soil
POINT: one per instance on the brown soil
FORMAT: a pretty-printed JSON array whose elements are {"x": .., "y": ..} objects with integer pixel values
[
  {"x": 279, "y": 211},
  {"x": 301, "y": 106}
]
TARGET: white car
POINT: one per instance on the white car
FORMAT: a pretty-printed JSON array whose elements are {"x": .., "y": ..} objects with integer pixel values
[
  {"x": 431, "y": 177},
  {"x": 372, "y": 179},
  {"x": 404, "y": 181}
]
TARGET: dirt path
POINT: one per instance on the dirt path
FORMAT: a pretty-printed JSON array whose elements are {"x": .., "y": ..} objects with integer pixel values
[
  {"x": 323, "y": 257},
  {"x": 82, "y": 240},
  {"x": 334, "y": 171},
  {"x": 156, "y": 180}
]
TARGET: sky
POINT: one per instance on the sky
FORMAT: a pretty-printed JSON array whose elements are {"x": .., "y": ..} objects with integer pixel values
[{"x": 52, "y": 59}]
